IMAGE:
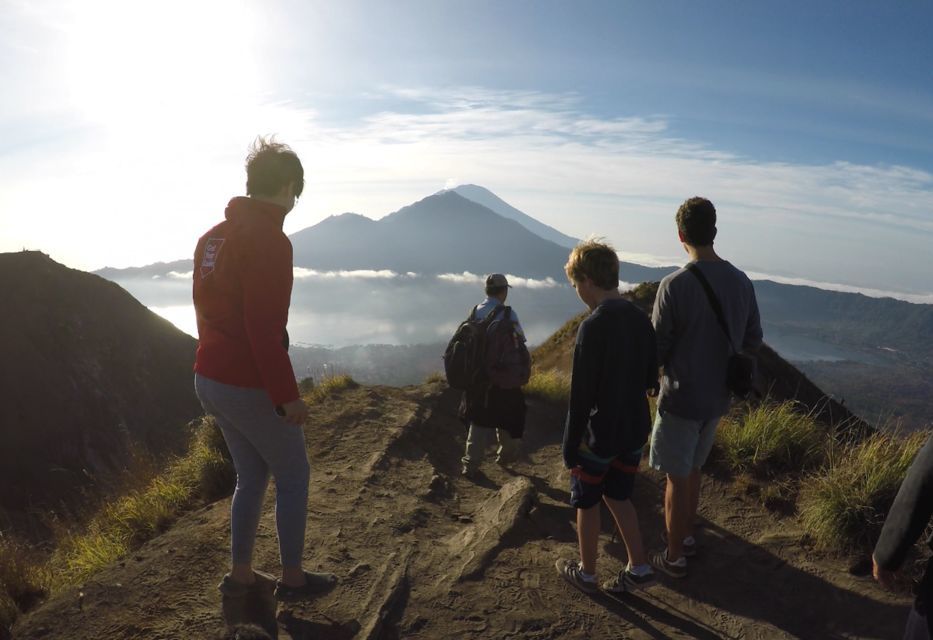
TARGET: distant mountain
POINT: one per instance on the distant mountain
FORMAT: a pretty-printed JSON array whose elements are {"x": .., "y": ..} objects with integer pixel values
[
  {"x": 777, "y": 378},
  {"x": 89, "y": 377},
  {"x": 488, "y": 199},
  {"x": 156, "y": 269},
  {"x": 443, "y": 233},
  {"x": 892, "y": 329}
]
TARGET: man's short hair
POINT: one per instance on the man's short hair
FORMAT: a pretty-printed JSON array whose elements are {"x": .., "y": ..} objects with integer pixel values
[
  {"x": 595, "y": 260},
  {"x": 696, "y": 222},
  {"x": 270, "y": 167}
]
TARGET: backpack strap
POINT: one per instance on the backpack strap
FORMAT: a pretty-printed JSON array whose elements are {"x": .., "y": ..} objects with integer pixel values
[
  {"x": 491, "y": 316},
  {"x": 472, "y": 315},
  {"x": 713, "y": 302}
]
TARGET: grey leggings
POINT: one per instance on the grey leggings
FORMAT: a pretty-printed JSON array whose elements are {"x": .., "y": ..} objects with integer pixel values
[{"x": 260, "y": 442}]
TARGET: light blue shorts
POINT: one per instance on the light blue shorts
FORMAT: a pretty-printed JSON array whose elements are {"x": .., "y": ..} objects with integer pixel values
[{"x": 680, "y": 445}]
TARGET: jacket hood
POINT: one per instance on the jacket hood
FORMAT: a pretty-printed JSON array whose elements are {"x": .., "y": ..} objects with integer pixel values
[{"x": 244, "y": 210}]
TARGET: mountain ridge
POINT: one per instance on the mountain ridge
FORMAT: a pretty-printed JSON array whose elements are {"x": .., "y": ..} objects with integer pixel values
[
  {"x": 487, "y": 198},
  {"x": 89, "y": 377}
]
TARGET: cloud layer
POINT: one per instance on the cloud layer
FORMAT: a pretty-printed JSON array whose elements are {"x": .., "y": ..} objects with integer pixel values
[{"x": 620, "y": 176}]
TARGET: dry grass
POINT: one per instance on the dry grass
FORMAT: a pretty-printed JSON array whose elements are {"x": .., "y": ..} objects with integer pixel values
[
  {"x": 771, "y": 438},
  {"x": 329, "y": 385},
  {"x": 437, "y": 377},
  {"x": 843, "y": 506},
  {"x": 551, "y": 385},
  {"x": 203, "y": 474}
]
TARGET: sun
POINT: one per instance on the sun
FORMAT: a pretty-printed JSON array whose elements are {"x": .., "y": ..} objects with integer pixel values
[{"x": 156, "y": 66}]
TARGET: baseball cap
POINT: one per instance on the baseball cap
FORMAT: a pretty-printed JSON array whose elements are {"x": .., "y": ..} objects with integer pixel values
[{"x": 497, "y": 280}]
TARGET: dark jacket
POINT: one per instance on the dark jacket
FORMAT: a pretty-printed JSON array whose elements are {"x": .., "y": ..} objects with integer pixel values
[
  {"x": 494, "y": 408},
  {"x": 907, "y": 520},
  {"x": 614, "y": 365}
]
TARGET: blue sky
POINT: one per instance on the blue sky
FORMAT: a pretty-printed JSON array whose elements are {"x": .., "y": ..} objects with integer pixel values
[{"x": 810, "y": 125}]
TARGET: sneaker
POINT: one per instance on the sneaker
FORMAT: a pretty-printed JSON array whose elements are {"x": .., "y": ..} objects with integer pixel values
[
  {"x": 676, "y": 569},
  {"x": 315, "y": 584},
  {"x": 570, "y": 571},
  {"x": 627, "y": 580},
  {"x": 689, "y": 545},
  {"x": 636, "y": 581}
]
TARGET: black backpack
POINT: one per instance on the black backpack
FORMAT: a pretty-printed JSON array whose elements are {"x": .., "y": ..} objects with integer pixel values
[
  {"x": 465, "y": 356},
  {"x": 508, "y": 363}
]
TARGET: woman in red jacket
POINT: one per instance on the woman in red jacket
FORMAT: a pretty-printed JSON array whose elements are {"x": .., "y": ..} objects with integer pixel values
[{"x": 243, "y": 376}]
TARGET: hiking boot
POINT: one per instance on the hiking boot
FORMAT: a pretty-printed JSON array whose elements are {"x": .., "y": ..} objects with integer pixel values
[
  {"x": 689, "y": 545},
  {"x": 230, "y": 588},
  {"x": 570, "y": 571},
  {"x": 315, "y": 584},
  {"x": 249, "y": 603},
  {"x": 469, "y": 472},
  {"x": 676, "y": 569}
]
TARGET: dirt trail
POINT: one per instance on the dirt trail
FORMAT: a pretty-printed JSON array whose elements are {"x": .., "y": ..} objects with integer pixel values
[{"x": 423, "y": 553}]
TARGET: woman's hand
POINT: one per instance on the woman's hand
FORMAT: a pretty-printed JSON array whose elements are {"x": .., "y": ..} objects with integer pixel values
[{"x": 296, "y": 412}]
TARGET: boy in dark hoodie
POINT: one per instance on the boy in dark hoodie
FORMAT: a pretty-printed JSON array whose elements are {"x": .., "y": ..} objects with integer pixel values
[{"x": 614, "y": 369}]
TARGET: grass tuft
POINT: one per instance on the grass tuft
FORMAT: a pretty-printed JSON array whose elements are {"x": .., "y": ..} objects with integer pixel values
[
  {"x": 843, "y": 506},
  {"x": 436, "y": 377},
  {"x": 551, "y": 385},
  {"x": 771, "y": 438},
  {"x": 329, "y": 385},
  {"x": 203, "y": 474},
  {"x": 306, "y": 385}
]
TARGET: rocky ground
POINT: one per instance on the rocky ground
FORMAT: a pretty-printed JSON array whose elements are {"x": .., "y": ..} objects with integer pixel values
[{"x": 423, "y": 553}]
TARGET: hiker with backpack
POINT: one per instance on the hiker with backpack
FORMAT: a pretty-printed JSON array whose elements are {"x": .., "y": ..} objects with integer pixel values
[
  {"x": 708, "y": 328},
  {"x": 487, "y": 359},
  {"x": 608, "y": 421}
]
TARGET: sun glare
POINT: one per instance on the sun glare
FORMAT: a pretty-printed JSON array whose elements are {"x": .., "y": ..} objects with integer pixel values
[{"x": 153, "y": 67}]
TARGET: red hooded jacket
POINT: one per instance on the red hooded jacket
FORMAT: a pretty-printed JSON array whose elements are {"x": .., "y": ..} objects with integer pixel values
[{"x": 242, "y": 289}]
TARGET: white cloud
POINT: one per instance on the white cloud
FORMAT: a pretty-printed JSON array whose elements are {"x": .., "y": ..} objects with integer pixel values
[
  {"x": 461, "y": 278},
  {"x": 916, "y": 298},
  {"x": 620, "y": 176},
  {"x": 363, "y": 274},
  {"x": 516, "y": 281}
]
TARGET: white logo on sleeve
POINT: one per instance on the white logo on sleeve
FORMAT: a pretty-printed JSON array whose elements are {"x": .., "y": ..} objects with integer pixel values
[{"x": 211, "y": 251}]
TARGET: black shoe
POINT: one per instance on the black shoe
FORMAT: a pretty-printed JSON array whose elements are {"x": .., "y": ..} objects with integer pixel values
[{"x": 315, "y": 584}]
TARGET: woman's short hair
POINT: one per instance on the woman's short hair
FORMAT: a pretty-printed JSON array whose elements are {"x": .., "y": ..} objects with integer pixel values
[
  {"x": 270, "y": 167},
  {"x": 595, "y": 260}
]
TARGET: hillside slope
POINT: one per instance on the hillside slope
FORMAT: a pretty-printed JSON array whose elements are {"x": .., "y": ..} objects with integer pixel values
[
  {"x": 88, "y": 376},
  {"x": 422, "y": 553},
  {"x": 778, "y": 379}
]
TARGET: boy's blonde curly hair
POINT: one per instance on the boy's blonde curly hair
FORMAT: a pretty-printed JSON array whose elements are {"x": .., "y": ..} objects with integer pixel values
[{"x": 594, "y": 259}]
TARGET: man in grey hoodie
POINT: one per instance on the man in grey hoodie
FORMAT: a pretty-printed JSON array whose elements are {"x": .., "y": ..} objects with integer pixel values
[{"x": 693, "y": 352}]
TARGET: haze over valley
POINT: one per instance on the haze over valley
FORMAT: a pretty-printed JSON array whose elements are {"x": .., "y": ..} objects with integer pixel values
[{"x": 409, "y": 278}]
